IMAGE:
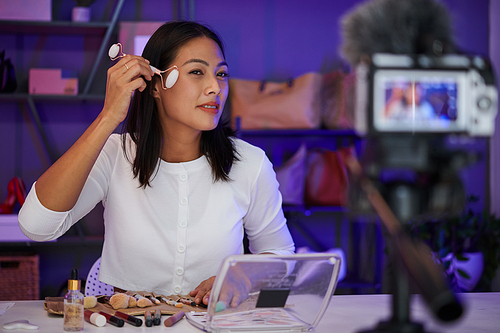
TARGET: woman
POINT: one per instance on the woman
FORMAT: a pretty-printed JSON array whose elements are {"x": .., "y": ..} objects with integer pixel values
[{"x": 178, "y": 188}]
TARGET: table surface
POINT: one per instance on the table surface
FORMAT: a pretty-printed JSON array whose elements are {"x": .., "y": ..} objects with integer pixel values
[{"x": 347, "y": 314}]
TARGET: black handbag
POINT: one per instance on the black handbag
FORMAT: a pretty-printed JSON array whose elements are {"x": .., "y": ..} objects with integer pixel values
[{"x": 7, "y": 76}]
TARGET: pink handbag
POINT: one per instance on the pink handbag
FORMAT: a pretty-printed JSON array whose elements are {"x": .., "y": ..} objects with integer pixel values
[{"x": 294, "y": 104}]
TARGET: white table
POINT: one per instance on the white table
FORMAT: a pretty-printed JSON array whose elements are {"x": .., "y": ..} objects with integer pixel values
[{"x": 345, "y": 314}]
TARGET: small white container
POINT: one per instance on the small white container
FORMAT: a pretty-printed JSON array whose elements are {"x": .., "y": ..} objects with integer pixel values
[{"x": 80, "y": 14}]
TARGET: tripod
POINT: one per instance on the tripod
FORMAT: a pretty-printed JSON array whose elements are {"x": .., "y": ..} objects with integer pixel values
[{"x": 411, "y": 259}]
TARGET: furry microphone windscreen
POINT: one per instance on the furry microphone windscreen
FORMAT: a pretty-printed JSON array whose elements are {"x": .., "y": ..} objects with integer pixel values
[{"x": 396, "y": 26}]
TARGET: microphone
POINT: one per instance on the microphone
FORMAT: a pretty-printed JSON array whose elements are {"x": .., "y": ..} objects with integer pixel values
[{"x": 396, "y": 26}]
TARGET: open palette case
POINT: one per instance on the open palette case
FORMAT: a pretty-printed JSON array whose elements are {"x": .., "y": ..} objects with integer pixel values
[{"x": 278, "y": 293}]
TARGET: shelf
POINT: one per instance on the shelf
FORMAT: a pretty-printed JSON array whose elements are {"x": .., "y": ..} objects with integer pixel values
[
  {"x": 64, "y": 98},
  {"x": 54, "y": 27},
  {"x": 11, "y": 235},
  {"x": 64, "y": 242},
  {"x": 281, "y": 144},
  {"x": 9, "y": 229},
  {"x": 298, "y": 133},
  {"x": 308, "y": 210}
]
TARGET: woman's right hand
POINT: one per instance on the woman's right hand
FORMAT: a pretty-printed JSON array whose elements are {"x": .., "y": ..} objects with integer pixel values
[
  {"x": 60, "y": 186},
  {"x": 123, "y": 79}
]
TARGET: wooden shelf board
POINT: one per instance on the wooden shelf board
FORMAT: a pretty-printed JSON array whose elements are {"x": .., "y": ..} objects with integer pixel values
[{"x": 53, "y": 27}]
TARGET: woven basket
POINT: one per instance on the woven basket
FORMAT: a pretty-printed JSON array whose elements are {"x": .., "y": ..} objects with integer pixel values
[{"x": 19, "y": 278}]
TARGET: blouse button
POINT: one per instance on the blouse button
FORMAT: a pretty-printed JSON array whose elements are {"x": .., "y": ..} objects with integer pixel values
[
  {"x": 184, "y": 201},
  {"x": 179, "y": 271},
  {"x": 183, "y": 223},
  {"x": 183, "y": 177},
  {"x": 181, "y": 248},
  {"x": 177, "y": 289}
]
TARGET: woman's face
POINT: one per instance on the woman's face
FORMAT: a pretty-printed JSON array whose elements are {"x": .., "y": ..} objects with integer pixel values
[{"x": 196, "y": 100}]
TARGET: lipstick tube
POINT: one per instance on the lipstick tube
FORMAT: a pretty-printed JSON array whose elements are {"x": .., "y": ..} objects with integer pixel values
[
  {"x": 94, "y": 318},
  {"x": 129, "y": 319},
  {"x": 148, "y": 319},
  {"x": 157, "y": 317},
  {"x": 174, "y": 319},
  {"x": 113, "y": 320}
]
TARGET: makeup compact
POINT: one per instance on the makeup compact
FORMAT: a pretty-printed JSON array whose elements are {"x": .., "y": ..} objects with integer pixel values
[{"x": 283, "y": 293}]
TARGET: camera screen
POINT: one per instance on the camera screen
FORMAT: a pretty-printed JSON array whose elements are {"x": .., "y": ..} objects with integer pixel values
[{"x": 416, "y": 101}]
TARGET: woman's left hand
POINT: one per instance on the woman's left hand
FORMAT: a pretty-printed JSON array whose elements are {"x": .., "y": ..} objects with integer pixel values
[
  {"x": 202, "y": 292},
  {"x": 234, "y": 291}
]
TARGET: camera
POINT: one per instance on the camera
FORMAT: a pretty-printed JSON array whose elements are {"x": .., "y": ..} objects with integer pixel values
[
  {"x": 421, "y": 94},
  {"x": 411, "y": 107}
]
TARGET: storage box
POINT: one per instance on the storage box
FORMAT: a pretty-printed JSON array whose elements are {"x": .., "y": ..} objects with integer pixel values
[
  {"x": 19, "y": 278},
  {"x": 52, "y": 82},
  {"x": 26, "y": 10},
  {"x": 134, "y": 35}
]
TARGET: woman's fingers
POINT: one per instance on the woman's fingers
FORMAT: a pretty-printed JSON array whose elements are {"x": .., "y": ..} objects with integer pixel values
[
  {"x": 131, "y": 72},
  {"x": 206, "y": 298},
  {"x": 133, "y": 67},
  {"x": 235, "y": 292},
  {"x": 129, "y": 61},
  {"x": 123, "y": 79},
  {"x": 202, "y": 292}
]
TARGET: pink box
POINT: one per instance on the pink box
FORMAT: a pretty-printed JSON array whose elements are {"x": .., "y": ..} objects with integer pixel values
[
  {"x": 134, "y": 35},
  {"x": 28, "y": 10},
  {"x": 52, "y": 82}
]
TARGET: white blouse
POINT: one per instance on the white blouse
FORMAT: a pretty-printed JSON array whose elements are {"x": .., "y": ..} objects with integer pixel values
[{"x": 171, "y": 236}]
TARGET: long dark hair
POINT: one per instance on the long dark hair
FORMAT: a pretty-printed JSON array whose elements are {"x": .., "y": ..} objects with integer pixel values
[{"x": 143, "y": 122}]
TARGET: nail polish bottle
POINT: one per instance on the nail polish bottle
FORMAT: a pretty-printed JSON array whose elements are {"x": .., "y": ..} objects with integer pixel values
[{"x": 73, "y": 304}]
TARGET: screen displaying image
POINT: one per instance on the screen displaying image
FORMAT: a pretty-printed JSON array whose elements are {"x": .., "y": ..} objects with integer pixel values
[{"x": 416, "y": 103}]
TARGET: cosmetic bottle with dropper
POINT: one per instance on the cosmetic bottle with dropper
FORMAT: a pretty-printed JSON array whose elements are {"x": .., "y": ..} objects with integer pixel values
[{"x": 73, "y": 304}]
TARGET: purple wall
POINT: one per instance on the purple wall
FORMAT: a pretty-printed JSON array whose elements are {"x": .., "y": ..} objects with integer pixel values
[
  {"x": 265, "y": 39},
  {"x": 495, "y": 144}
]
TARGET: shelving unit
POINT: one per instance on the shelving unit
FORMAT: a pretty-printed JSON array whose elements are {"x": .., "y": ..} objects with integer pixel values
[
  {"x": 102, "y": 30},
  {"x": 348, "y": 229},
  {"x": 106, "y": 29},
  {"x": 270, "y": 141}
]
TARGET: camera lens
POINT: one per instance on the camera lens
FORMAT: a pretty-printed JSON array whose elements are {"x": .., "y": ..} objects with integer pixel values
[{"x": 484, "y": 103}]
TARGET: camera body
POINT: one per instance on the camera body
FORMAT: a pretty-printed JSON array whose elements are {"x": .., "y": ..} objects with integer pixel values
[{"x": 420, "y": 94}]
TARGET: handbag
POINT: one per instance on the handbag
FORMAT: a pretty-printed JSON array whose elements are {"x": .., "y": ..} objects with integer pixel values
[
  {"x": 338, "y": 99},
  {"x": 327, "y": 182},
  {"x": 293, "y": 104},
  {"x": 291, "y": 177},
  {"x": 7, "y": 76}
]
